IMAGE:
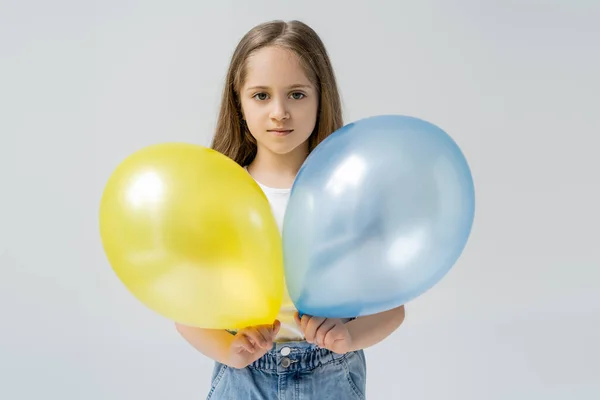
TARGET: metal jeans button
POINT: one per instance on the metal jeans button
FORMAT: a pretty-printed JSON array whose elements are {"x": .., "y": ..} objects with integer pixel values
[
  {"x": 285, "y": 351},
  {"x": 285, "y": 362}
]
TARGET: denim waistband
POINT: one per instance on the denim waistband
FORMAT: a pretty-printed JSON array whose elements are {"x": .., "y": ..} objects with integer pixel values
[{"x": 285, "y": 357}]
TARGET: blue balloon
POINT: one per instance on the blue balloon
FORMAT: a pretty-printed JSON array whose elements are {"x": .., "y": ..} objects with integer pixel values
[{"x": 379, "y": 213}]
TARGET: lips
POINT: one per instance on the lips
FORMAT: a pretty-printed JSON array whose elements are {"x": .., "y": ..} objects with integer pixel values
[{"x": 280, "y": 132}]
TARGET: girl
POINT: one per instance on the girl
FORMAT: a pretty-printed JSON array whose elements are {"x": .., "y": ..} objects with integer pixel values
[{"x": 280, "y": 101}]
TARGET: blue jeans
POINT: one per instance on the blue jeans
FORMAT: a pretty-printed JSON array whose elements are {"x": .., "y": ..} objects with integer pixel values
[{"x": 293, "y": 371}]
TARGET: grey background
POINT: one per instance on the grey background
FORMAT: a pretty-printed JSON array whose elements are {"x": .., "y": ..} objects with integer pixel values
[{"x": 84, "y": 84}]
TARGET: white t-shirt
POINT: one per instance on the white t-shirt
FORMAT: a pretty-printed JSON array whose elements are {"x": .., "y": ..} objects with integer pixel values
[{"x": 289, "y": 331}]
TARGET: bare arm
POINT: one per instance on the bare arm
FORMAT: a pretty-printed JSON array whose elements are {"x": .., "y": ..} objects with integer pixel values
[
  {"x": 213, "y": 343},
  {"x": 371, "y": 329}
]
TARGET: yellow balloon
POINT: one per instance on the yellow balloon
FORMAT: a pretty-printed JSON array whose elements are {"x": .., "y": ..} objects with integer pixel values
[{"x": 192, "y": 236}]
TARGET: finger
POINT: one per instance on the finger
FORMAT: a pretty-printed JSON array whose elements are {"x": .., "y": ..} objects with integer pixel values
[
  {"x": 253, "y": 336},
  {"x": 257, "y": 336},
  {"x": 304, "y": 320},
  {"x": 334, "y": 334},
  {"x": 323, "y": 330},
  {"x": 276, "y": 328},
  {"x": 297, "y": 318},
  {"x": 266, "y": 335},
  {"x": 262, "y": 335},
  {"x": 311, "y": 328},
  {"x": 242, "y": 342}
]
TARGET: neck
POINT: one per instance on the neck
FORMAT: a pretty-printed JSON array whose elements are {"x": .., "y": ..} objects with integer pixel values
[{"x": 277, "y": 170}]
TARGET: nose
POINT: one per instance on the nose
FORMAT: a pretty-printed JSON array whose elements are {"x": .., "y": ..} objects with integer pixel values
[{"x": 279, "y": 111}]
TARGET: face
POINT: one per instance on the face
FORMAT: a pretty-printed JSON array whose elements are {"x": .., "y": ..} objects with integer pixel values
[{"x": 279, "y": 103}]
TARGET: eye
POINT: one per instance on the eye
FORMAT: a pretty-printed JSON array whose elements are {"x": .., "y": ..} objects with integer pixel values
[
  {"x": 298, "y": 95},
  {"x": 260, "y": 96}
]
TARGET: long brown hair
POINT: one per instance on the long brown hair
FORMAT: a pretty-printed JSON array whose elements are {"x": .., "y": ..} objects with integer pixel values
[{"x": 232, "y": 137}]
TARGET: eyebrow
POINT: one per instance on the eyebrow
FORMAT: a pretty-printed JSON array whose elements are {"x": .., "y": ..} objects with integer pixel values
[{"x": 296, "y": 86}]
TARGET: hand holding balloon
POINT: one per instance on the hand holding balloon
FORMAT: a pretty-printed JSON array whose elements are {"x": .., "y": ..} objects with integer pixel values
[
  {"x": 328, "y": 333},
  {"x": 251, "y": 343}
]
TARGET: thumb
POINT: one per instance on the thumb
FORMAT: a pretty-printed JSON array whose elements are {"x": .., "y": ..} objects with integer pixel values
[
  {"x": 276, "y": 327},
  {"x": 298, "y": 318}
]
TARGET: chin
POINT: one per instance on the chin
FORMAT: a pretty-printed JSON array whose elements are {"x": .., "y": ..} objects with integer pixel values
[{"x": 285, "y": 149}]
